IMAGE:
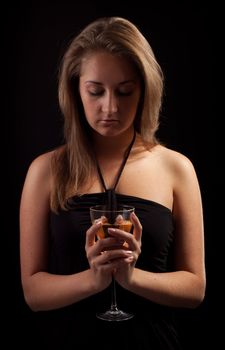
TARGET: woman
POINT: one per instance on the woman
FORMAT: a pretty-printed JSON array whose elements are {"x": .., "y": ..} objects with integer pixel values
[{"x": 110, "y": 92}]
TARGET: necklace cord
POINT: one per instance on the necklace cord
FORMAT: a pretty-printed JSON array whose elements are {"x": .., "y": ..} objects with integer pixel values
[{"x": 111, "y": 201}]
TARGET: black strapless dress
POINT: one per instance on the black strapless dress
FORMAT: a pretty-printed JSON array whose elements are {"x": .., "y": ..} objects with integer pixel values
[{"x": 76, "y": 327}]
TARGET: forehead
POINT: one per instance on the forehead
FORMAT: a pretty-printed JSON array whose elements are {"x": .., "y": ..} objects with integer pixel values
[{"x": 100, "y": 66}]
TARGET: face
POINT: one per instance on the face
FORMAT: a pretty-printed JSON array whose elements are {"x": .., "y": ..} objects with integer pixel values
[{"x": 110, "y": 91}]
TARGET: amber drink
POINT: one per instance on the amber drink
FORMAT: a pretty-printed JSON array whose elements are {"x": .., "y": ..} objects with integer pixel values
[{"x": 119, "y": 218}]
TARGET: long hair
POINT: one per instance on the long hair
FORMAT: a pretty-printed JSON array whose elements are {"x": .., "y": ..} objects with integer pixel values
[{"x": 73, "y": 165}]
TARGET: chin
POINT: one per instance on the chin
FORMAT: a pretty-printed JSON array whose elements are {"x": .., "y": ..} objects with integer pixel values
[{"x": 108, "y": 132}]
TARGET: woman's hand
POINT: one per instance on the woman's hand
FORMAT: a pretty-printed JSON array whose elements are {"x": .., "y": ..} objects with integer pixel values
[
  {"x": 104, "y": 256},
  {"x": 124, "y": 270}
]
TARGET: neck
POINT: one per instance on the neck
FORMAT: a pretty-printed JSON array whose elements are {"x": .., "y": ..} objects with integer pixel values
[{"x": 112, "y": 145}]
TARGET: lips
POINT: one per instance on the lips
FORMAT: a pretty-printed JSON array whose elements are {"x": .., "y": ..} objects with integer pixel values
[{"x": 108, "y": 121}]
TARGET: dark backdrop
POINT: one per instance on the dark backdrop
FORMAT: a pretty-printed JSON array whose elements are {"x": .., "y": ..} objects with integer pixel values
[{"x": 35, "y": 36}]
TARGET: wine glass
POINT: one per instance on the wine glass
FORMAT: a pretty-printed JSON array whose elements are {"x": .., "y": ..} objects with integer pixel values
[{"x": 119, "y": 218}]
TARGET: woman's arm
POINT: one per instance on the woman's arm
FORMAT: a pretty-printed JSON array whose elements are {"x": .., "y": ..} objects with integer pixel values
[
  {"x": 185, "y": 287},
  {"x": 42, "y": 290}
]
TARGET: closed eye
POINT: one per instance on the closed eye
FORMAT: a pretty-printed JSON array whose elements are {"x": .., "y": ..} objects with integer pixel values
[
  {"x": 97, "y": 93},
  {"x": 118, "y": 93},
  {"x": 123, "y": 93}
]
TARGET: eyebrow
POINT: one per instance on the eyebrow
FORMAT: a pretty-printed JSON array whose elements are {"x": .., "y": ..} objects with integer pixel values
[{"x": 98, "y": 83}]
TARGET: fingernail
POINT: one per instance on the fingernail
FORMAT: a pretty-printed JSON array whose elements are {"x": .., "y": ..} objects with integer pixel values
[{"x": 130, "y": 259}]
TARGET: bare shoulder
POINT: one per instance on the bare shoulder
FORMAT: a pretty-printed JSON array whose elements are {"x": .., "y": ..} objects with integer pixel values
[
  {"x": 37, "y": 183},
  {"x": 42, "y": 164},
  {"x": 40, "y": 169},
  {"x": 176, "y": 162},
  {"x": 180, "y": 169},
  {"x": 39, "y": 174}
]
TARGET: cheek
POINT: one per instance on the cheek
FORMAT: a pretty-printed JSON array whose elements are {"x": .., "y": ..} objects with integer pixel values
[
  {"x": 130, "y": 108},
  {"x": 90, "y": 109},
  {"x": 88, "y": 104}
]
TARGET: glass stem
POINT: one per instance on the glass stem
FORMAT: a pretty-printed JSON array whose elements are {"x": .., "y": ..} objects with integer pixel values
[{"x": 114, "y": 302}]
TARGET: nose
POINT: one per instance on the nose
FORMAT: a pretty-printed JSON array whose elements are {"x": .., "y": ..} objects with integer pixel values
[{"x": 109, "y": 103}]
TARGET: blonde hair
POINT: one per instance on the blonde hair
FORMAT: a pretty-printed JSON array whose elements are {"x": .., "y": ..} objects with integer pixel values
[{"x": 73, "y": 164}]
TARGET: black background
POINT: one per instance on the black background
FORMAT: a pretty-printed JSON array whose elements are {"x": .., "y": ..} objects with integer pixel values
[{"x": 183, "y": 38}]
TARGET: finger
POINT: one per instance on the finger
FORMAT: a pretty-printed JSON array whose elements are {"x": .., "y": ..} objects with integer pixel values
[
  {"x": 137, "y": 226},
  {"x": 130, "y": 240},
  {"x": 91, "y": 234},
  {"x": 116, "y": 264},
  {"x": 129, "y": 260},
  {"x": 101, "y": 246},
  {"x": 107, "y": 261},
  {"x": 110, "y": 255},
  {"x": 110, "y": 243}
]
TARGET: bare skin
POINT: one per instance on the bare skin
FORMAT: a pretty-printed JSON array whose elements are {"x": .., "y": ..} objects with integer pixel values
[{"x": 160, "y": 175}]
